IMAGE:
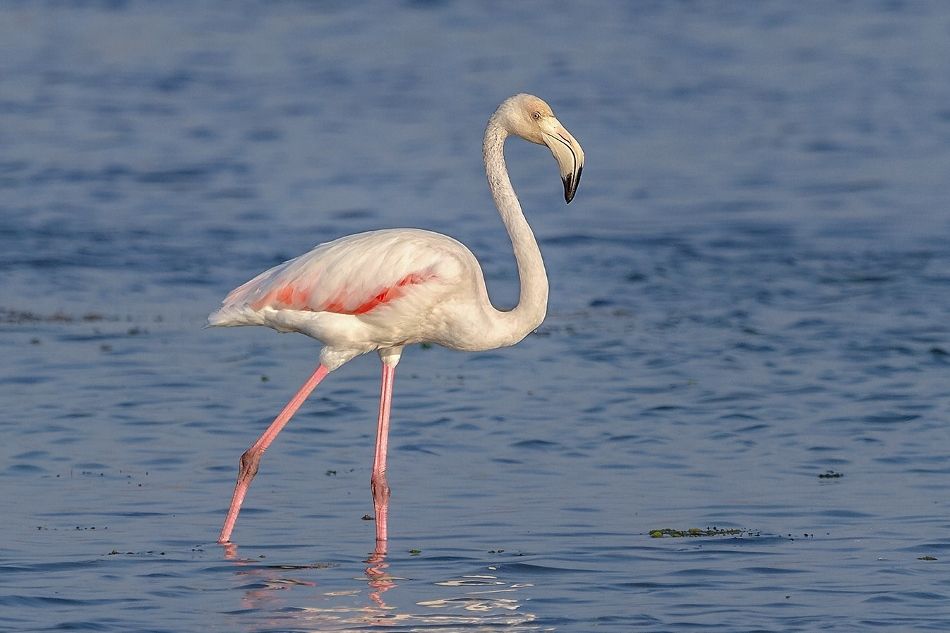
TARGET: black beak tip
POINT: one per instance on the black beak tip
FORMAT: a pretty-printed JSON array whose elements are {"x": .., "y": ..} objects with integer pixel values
[{"x": 570, "y": 185}]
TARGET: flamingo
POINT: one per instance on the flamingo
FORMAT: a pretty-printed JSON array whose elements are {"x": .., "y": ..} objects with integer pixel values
[{"x": 383, "y": 290}]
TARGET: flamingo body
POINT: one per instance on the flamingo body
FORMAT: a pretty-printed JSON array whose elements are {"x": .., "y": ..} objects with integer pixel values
[
  {"x": 382, "y": 290},
  {"x": 374, "y": 290}
]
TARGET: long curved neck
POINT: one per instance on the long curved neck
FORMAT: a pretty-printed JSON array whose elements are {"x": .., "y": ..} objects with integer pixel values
[{"x": 533, "y": 299}]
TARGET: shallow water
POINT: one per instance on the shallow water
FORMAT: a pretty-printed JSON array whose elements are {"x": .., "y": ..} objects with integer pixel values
[{"x": 750, "y": 291}]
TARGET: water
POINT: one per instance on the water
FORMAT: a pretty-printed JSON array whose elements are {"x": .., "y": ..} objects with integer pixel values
[{"x": 750, "y": 290}]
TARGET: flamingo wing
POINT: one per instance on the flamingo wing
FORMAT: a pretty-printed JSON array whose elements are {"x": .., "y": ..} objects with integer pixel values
[{"x": 352, "y": 275}]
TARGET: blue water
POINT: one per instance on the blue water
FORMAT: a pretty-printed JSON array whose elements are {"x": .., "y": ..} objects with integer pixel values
[{"x": 751, "y": 289}]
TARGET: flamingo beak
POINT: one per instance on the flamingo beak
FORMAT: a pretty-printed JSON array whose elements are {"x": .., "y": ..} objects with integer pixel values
[{"x": 567, "y": 152}]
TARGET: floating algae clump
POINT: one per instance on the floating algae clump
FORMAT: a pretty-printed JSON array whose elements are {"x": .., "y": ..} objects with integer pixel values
[{"x": 694, "y": 532}]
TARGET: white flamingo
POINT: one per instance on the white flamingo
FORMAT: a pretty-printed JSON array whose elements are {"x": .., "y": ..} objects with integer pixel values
[{"x": 382, "y": 290}]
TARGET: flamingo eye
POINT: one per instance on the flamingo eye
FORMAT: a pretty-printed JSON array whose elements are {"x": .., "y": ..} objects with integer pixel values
[{"x": 536, "y": 115}]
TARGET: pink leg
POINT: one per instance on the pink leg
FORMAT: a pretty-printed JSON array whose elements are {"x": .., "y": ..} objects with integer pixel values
[
  {"x": 251, "y": 458},
  {"x": 378, "y": 480}
]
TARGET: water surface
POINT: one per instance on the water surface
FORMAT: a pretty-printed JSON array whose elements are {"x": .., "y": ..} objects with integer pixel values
[{"x": 750, "y": 291}]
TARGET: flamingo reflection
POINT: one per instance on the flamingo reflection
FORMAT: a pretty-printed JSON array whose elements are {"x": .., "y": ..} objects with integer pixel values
[{"x": 272, "y": 592}]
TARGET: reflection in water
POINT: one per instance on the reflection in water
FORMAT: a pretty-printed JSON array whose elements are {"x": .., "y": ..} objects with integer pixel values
[
  {"x": 474, "y": 602},
  {"x": 379, "y": 581}
]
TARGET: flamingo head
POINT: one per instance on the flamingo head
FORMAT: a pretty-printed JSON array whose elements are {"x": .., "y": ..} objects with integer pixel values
[{"x": 532, "y": 119}]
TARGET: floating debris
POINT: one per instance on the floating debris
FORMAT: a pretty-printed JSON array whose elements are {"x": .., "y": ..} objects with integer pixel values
[
  {"x": 696, "y": 532},
  {"x": 927, "y": 558},
  {"x": 830, "y": 474},
  {"x": 25, "y": 316},
  {"x": 28, "y": 317}
]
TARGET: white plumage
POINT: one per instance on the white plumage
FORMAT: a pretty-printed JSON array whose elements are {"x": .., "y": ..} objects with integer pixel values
[{"x": 367, "y": 291}]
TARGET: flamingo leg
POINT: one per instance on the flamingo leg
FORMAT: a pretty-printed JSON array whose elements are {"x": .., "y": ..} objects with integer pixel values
[
  {"x": 251, "y": 458},
  {"x": 378, "y": 481}
]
